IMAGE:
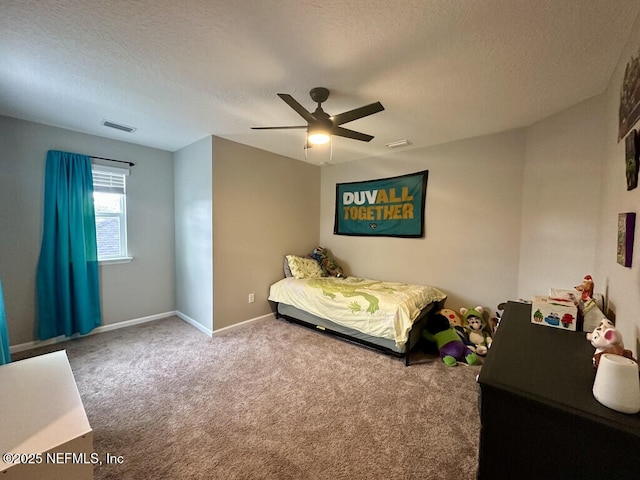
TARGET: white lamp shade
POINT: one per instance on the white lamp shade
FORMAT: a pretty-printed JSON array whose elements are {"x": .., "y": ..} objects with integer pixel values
[{"x": 617, "y": 384}]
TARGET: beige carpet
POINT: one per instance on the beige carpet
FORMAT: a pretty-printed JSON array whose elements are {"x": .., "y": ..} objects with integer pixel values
[{"x": 270, "y": 400}]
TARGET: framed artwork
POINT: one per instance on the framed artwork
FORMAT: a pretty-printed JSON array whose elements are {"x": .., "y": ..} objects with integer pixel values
[
  {"x": 631, "y": 159},
  {"x": 385, "y": 207},
  {"x": 629, "y": 111},
  {"x": 626, "y": 228}
]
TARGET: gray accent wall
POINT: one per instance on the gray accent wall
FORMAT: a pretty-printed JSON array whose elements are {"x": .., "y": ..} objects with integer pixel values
[
  {"x": 193, "y": 232},
  {"x": 142, "y": 288}
]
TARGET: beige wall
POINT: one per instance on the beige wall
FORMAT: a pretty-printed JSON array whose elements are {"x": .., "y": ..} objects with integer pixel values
[
  {"x": 472, "y": 220},
  {"x": 621, "y": 284},
  {"x": 264, "y": 207},
  {"x": 570, "y": 222},
  {"x": 507, "y": 216},
  {"x": 562, "y": 198},
  {"x": 510, "y": 215}
]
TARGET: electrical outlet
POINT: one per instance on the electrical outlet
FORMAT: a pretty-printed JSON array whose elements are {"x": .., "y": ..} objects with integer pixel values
[{"x": 252, "y": 298}]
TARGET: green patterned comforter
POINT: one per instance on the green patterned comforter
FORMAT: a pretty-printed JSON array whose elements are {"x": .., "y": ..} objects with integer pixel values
[{"x": 377, "y": 308}]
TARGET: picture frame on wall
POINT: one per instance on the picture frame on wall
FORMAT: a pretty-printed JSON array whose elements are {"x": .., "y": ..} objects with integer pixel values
[
  {"x": 631, "y": 159},
  {"x": 629, "y": 110},
  {"x": 626, "y": 229}
]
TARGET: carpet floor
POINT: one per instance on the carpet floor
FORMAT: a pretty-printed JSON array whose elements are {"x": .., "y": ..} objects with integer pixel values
[{"x": 270, "y": 400}]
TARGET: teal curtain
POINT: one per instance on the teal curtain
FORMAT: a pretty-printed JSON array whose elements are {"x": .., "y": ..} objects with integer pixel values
[
  {"x": 67, "y": 287},
  {"x": 5, "y": 355}
]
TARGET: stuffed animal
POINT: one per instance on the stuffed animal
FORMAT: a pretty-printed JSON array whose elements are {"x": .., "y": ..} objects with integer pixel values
[
  {"x": 451, "y": 348},
  {"x": 477, "y": 329},
  {"x": 455, "y": 322},
  {"x": 607, "y": 339},
  {"x": 327, "y": 262},
  {"x": 495, "y": 321},
  {"x": 586, "y": 287}
]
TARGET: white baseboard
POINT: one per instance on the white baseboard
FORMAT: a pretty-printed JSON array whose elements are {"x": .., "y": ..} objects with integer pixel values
[
  {"x": 195, "y": 324},
  {"x": 241, "y": 324},
  {"x": 135, "y": 321},
  {"x": 211, "y": 333},
  {"x": 104, "y": 328},
  {"x": 128, "y": 323}
]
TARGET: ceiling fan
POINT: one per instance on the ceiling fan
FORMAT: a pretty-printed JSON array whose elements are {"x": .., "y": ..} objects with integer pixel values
[{"x": 320, "y": 125}]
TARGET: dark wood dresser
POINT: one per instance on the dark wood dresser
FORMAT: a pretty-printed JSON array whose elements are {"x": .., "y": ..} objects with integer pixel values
[{"x": 539, "y": 419}]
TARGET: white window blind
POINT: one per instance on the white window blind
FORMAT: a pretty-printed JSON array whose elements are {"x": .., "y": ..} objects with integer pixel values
[
  {"x": 109, "y": 198},
  {"x": 109, "y": 179}
]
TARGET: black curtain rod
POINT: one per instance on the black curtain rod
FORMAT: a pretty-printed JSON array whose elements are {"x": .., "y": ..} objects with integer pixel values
[{"x": 131, "y": 164}]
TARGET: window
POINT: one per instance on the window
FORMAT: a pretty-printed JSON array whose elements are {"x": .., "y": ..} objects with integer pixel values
[{"x": 109, "y": 200}]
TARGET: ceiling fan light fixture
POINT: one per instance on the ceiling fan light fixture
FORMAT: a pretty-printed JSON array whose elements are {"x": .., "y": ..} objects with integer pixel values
[
  {"x": 321, "y": 127},
  {"x": 319, "y": 138},
  {"x": 318, "y": 135}
]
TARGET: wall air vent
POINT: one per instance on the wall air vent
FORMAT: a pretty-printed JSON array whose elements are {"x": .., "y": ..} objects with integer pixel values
[{"x": 118, "y": 126}]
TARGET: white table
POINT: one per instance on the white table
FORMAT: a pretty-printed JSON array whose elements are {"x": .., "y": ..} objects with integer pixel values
[{"x": 43, "y": 420}]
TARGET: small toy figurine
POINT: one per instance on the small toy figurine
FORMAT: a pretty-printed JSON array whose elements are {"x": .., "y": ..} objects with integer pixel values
[
  {"x": 607, "y": 339},
  {"x": 477, "y": 329},
  {"x": 586, "y": 287}
]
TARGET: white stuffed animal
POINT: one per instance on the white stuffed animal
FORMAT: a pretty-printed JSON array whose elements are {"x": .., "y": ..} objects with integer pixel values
[{"x": 606, "y": 338}]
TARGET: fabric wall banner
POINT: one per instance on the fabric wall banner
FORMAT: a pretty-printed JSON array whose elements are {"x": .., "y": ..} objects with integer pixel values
[{"x": 387, "y": 207}]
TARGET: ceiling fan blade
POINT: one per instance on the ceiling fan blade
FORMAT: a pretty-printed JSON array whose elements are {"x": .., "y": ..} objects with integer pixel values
[
  {"x": 278, "y": 128},
  {"x": 357, "y": 113},
  {"x": 345, "y": 132},
  {"x": 303, "y": 112}
]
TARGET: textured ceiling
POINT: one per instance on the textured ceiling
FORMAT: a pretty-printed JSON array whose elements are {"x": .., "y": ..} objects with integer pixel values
[{"x": 179, "y": 71}]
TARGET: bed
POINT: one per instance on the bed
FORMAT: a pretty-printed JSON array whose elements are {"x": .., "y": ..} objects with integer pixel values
[{"x": 386, "y": 316}]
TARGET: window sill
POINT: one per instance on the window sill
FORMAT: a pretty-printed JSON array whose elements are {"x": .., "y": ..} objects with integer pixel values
[{"x": 115, "y": 261}]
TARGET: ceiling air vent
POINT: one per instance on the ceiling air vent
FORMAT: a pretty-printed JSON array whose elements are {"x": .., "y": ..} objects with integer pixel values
[
  {"x": 398, "y": 143},
  {"x": 118, "y": 126}
]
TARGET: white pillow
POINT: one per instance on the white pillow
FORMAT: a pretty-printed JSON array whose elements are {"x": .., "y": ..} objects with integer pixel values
[
  {"x": 304, "y": 267},
  {"x": 286, "y": 268}
]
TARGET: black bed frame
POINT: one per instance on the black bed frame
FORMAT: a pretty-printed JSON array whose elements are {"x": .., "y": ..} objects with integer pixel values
[{"x": 416, "y": 329}]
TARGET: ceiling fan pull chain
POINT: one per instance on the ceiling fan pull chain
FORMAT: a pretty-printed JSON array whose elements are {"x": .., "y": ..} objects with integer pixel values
[{"x": 331, "y": 151}]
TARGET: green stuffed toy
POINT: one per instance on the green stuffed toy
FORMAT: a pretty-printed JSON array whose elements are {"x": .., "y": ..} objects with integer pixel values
[
  {"x": 478, "y": 329},
  {"x": 450, "y": 346}
]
